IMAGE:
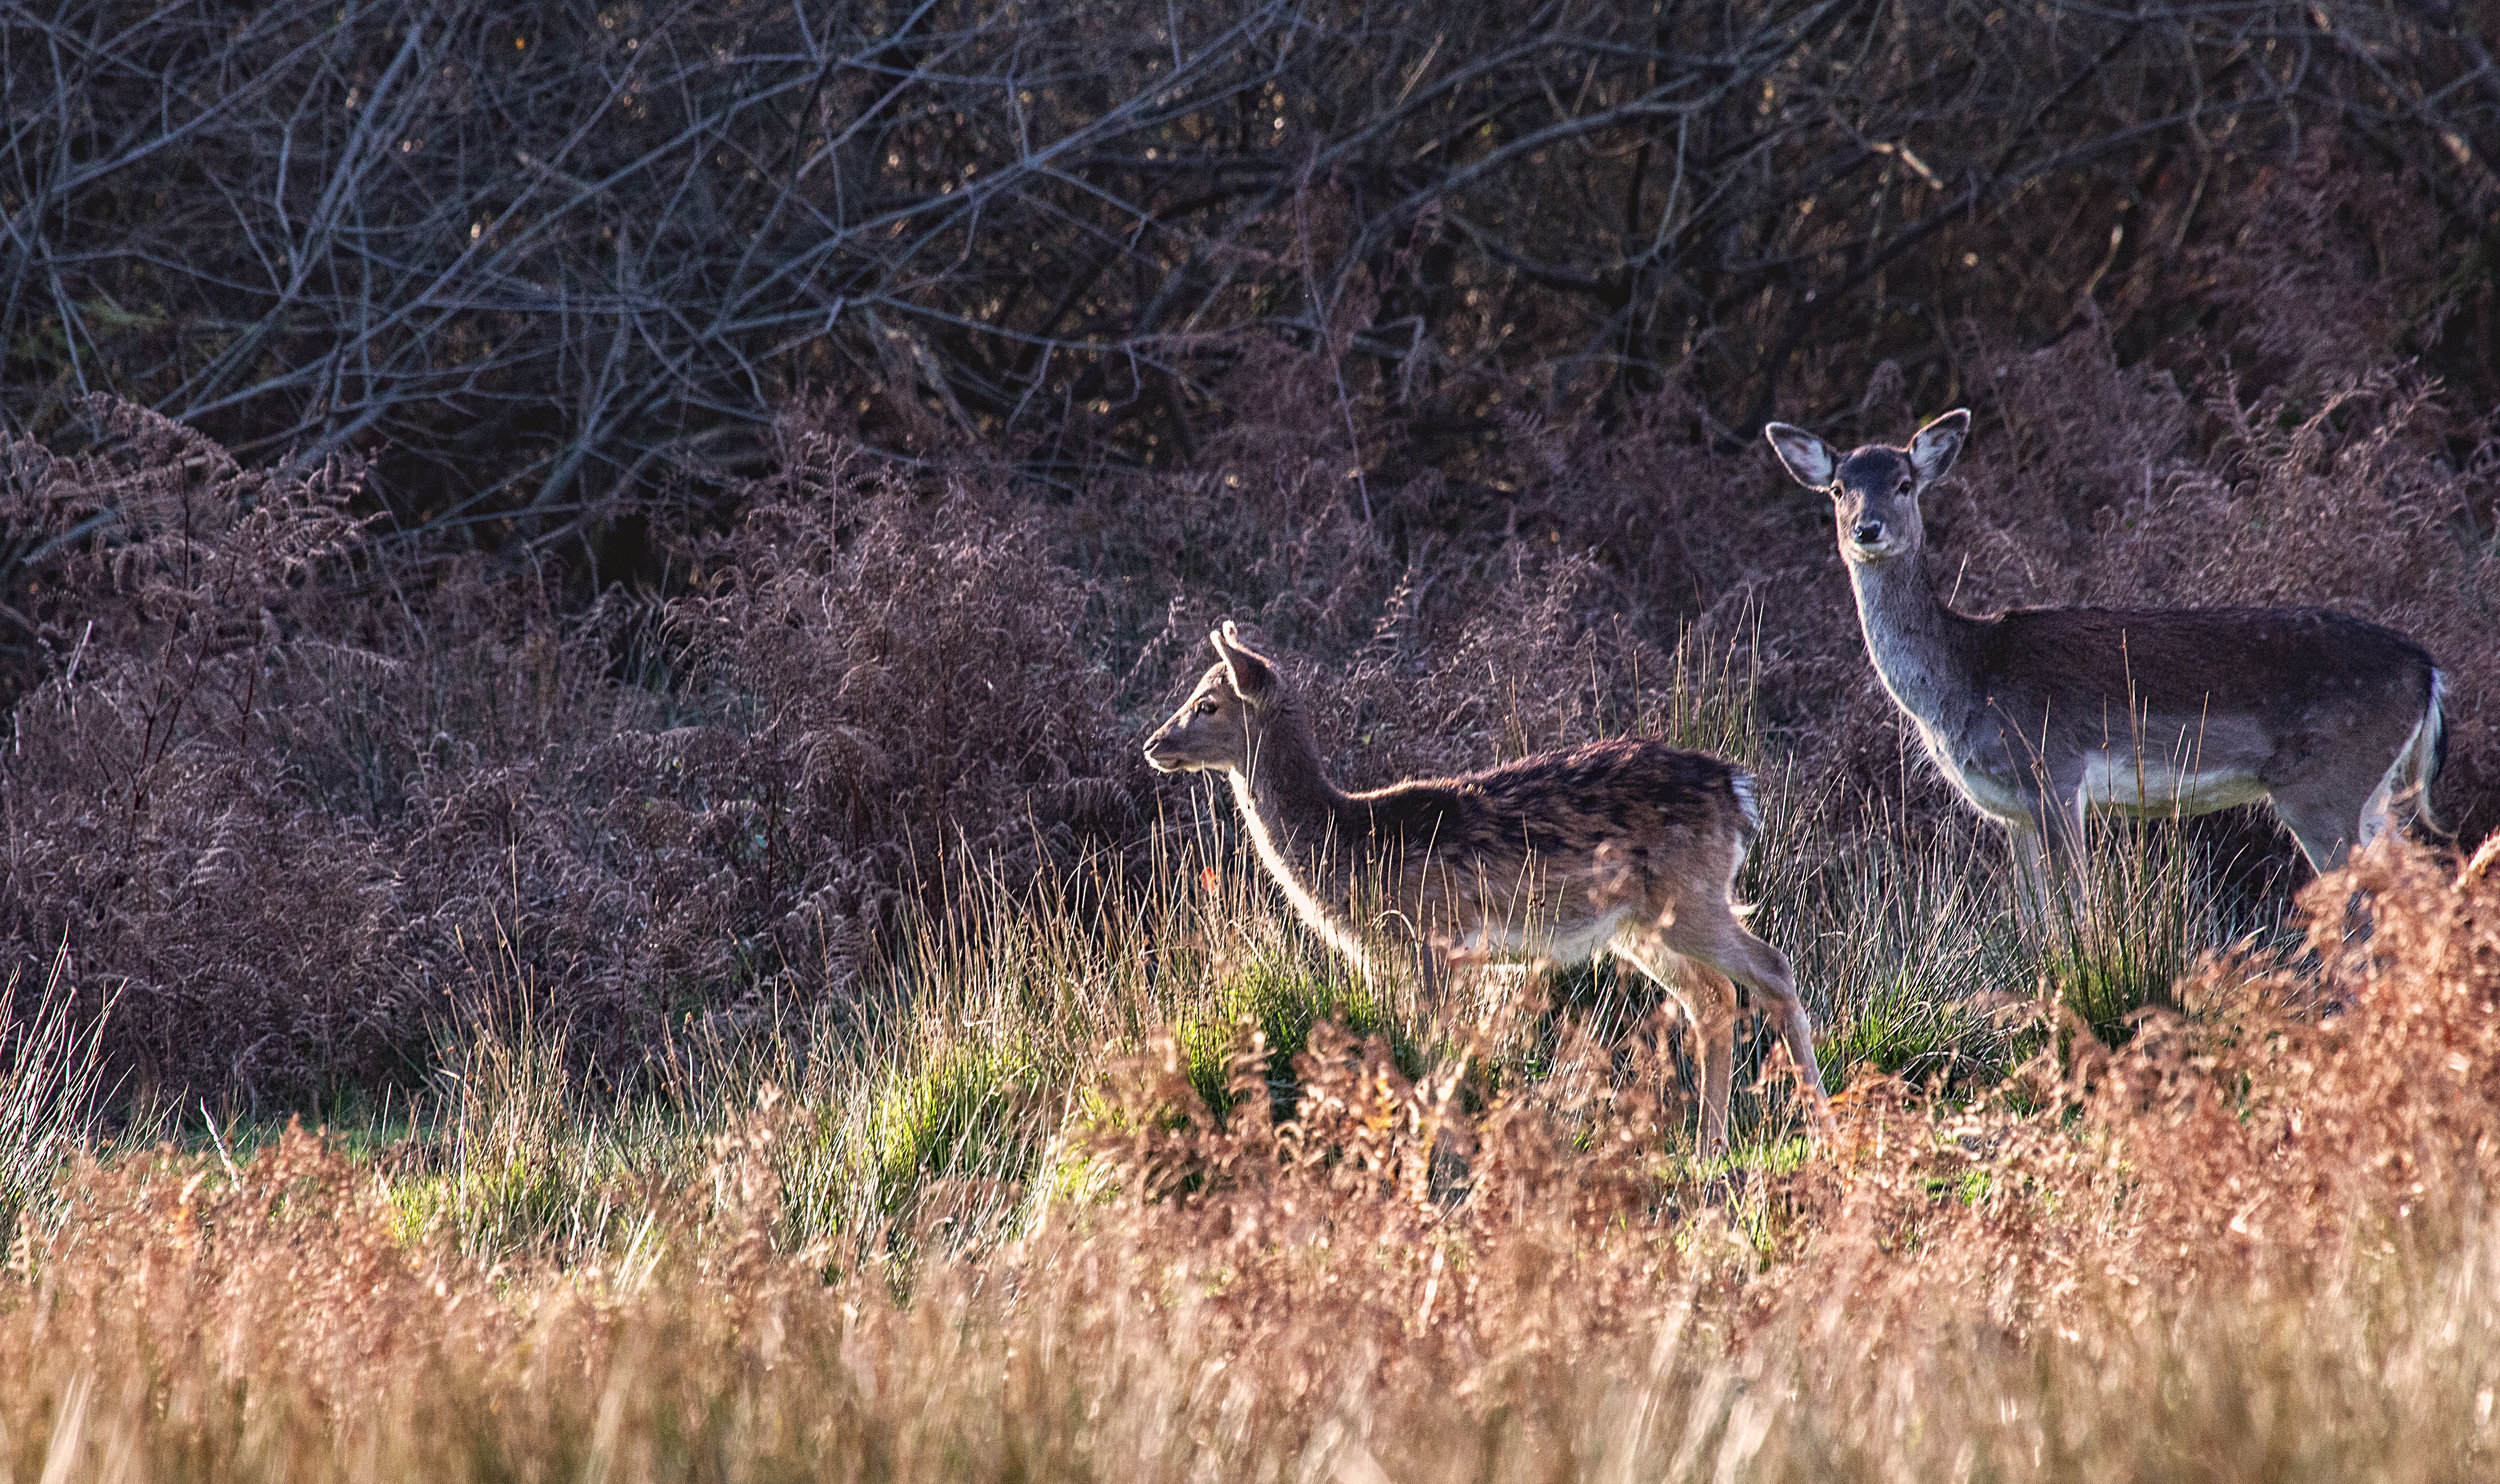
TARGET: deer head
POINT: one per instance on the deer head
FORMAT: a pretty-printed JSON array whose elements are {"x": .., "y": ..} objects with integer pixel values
[
  {"x": 1874, "y": 489},
  {"x": 1218, "y": 727}
]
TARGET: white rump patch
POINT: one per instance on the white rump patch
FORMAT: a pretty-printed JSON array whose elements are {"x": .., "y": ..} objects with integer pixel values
[
  {"x": 1743, "y": 784},
  {"x": 2415, "y": 765}
]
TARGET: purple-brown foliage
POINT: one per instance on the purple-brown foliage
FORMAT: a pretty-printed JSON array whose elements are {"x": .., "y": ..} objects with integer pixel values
[{"x": 293, "y": 796}]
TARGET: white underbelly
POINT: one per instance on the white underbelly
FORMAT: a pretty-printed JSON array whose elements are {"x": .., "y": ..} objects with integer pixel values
[
  {"x": 1572, "y": 942},
  {"x": 2114, "y": 782},
  {"x": 2124, "y": 783}
]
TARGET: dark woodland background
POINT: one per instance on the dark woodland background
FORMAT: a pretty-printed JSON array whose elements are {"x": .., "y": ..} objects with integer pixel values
[{"x": 650, "y": 494}]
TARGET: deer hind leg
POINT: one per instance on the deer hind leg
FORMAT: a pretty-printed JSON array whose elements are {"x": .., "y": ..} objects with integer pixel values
[
  {"x": 1709, "y": 1004},
  {"x": 2327, "y": 820},
  {"x": 1709, "y": 934},
  {"x": 2345, "y": 801},
  {"x": 2323, "y": 829}
]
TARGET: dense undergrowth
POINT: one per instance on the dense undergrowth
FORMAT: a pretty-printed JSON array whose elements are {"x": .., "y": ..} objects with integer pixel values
[{"x": 281, "y": 785}]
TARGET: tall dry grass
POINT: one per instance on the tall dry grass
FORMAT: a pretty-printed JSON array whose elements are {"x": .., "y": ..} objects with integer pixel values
[{"x": 2251, "y": 1244}]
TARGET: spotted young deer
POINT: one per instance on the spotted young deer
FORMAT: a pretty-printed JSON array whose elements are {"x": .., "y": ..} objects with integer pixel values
[
  {"x": 1629, "y": 848},
  {"x": 2041, "y": 715}
]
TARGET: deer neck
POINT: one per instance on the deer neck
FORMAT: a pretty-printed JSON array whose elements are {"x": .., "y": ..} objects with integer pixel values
[
  {"x": 1302, "y": 825},
  {"x": 1295, "y": 814},
  {"x": 1915, "y": 641}
]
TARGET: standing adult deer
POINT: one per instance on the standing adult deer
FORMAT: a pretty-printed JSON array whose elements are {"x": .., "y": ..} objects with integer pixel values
[
  {"x": 2043, "y": 714},
  {"x": 1629, "y": 848}
]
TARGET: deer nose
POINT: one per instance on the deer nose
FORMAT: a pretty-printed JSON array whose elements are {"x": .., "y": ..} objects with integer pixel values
[{"x": 1869, "y": 532}]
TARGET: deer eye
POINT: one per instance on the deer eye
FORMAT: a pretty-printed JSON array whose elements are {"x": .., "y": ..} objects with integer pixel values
[
  {"x": 1903, "y": 487},
  {"x": 1206, "y": 707}
]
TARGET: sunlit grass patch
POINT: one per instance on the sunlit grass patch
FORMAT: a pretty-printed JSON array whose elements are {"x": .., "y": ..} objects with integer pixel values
[
  {"x": 2137, "y": 919},
  {"x": 51, "y": 1078},
  {"x": 1905, "y": 943}
]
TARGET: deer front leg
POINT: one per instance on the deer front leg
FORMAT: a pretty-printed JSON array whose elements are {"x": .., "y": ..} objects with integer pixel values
[
  {"x": 2032, "y": 870},
  {"x": 2047, "y": 841}
]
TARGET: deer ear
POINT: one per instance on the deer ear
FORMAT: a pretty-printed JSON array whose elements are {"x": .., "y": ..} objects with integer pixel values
[
  {"x": 1254, "y": 676},
  {"x": 1806, "y": 457},
  {"x": 1938, "y": 444}
]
